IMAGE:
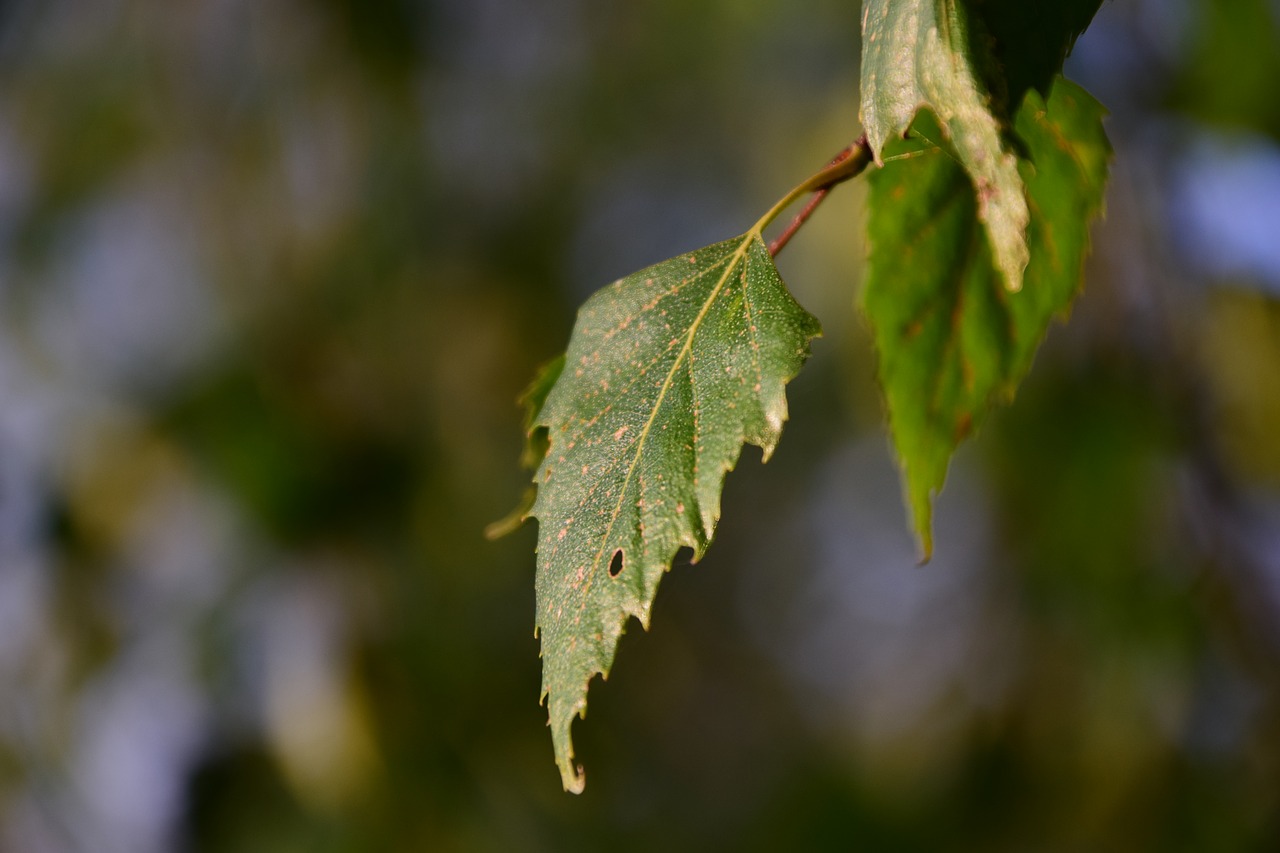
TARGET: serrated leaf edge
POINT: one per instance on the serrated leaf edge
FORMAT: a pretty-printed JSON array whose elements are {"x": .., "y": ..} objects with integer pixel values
[{"x": 572, "y": 774}]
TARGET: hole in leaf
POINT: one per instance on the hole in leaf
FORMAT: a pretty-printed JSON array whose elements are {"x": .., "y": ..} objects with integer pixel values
[{"x": 615, "y": 567}]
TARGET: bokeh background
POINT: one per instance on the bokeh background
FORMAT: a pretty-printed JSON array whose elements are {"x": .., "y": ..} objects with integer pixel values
[{"x": 272, "y": 275}]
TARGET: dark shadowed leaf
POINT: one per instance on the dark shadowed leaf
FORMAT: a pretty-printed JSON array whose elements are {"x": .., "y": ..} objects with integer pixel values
[
  {"x": 533, "y": 399},
  {"x": 1028, "y": 42}
]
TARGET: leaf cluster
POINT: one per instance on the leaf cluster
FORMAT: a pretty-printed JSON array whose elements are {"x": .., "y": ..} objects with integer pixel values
[{"x": 988, "y": 168}]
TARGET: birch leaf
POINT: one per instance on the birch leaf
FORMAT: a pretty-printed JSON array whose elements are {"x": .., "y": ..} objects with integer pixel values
[
  {"x": 668, "y": 373},
  {"x": 951, "y": 339},
  {"x": 919, "y": 54}
]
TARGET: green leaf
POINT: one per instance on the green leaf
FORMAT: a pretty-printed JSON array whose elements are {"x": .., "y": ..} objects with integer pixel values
[
  {"x": 952, "y": 341},
  {"x": 669, "y": 372},
  {"x": 922, "y": 54},
  {"x": 534, "y": 399},
  {"x": 535, "y": 446},
  {"x": 1028, "y": 42}
]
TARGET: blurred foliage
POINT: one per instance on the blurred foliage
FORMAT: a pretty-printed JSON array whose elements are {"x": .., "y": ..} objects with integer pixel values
[
  {"x": 271, "y": 277},
  {"x": 1231, "y": 64}
]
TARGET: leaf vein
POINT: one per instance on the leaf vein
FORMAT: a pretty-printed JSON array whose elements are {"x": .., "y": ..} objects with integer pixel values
[{"x": 738, "y": 255}]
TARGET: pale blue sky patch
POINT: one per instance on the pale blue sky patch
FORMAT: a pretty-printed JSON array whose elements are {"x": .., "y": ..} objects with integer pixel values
[{"x": 1226, "y": 207}]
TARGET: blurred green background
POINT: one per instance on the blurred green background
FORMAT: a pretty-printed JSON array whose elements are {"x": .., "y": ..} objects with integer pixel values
[{"x": 271, "y": 277}]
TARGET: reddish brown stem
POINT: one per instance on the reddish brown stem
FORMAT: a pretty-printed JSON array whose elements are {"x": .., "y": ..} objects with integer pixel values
[{"x": 859, "y": 148}]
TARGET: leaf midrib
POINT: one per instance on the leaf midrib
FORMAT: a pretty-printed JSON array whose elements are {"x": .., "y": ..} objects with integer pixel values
[{"x": 734, "y": 260}]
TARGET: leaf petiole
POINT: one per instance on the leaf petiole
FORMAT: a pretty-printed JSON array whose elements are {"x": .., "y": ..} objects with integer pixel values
[{"x": 845, "y": 165}]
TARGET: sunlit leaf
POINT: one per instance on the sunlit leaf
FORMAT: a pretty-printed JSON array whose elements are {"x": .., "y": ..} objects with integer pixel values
[
  {"x": 669, "y": 372},
  {"x": 924, "y": 54}
]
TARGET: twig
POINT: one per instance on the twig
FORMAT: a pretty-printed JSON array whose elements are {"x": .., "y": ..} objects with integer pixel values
[{"x": 862, "y": 150}]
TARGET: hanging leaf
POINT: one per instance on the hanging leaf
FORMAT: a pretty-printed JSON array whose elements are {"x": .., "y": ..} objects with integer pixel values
[
  {"x": 952, "y": 340},
  {"x": 535, "y": 445},
  {"x": 669, "y": 372},
  {"x": 923, "y": 54}
]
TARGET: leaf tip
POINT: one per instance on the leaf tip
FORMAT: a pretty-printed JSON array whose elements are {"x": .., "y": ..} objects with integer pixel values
[
  {"x": 572, "y": 774},
  {"x": 924, "y": 535},
  {"x": 920, "y": 507},
  {"x": 926, "y": 546},
  {"x": 574, "y": 779}
]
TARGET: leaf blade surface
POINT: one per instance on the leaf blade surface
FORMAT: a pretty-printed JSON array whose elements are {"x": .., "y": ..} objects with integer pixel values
[
  {"x": 923, "y": 54},
  {"x": 668, "y": 373},
  {"x": 952, "y": 341}
]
